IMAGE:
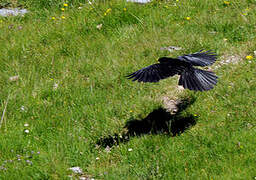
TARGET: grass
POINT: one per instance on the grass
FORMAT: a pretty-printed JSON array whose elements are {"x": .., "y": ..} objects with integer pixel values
[{"x": 72, "y": 90}]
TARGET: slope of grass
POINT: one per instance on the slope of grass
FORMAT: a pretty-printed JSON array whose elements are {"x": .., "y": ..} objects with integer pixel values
[{"x": 72, "y": 90}]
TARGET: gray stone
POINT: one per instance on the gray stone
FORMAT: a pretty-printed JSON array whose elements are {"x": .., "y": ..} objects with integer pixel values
[
  {"x": 12, "y": 12},
  {"x": 139, "y": 1}
]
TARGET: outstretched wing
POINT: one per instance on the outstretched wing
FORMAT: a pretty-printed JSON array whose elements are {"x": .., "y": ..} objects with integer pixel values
[
  {"x": 198, "y": 79},
  {"x": 154, "y": 73},
  {"x": 199, "y": 58}
]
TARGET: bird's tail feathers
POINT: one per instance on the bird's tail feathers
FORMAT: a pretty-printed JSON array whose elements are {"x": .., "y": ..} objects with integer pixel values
[{"x": 198, "y": 79}]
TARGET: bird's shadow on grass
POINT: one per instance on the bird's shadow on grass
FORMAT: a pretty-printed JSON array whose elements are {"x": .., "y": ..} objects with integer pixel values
[{"x": 159, "y": 121}]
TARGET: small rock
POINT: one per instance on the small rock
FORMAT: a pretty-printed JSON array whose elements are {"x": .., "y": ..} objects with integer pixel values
[
  {"x": 99, "y": 26},
  {"x": 76, "y": 170},
  {"x": 249, "y": 126},
  {"x": 171, "y": 48},
  {"x": 180, "y": 88},
  {"x": 234, "y": 59},
  {"x": 85, "y": 178},
  {"x": 212, "y": 32},
  {"x": 3, "y": 168},
  {"x": 26, "y": 131},
  {"x": 107, "y": 149},
  {"x": 12, "y": 12},
  {"x": 171, "y": 105},
  {"x": 22, "y": 108},
  {"x": 14, "y": 78},
  {"x": 139, "y": 1}
]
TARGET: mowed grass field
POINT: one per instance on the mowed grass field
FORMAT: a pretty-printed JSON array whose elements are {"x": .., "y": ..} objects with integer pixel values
[{"x": 71, "y": 92}]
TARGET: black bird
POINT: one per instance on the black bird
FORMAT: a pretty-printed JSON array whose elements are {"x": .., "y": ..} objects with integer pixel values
[{"x": 190, "y": 77}]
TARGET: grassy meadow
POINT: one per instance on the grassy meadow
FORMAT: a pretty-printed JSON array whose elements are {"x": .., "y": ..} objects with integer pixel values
[{"x": 70, "y": 103}]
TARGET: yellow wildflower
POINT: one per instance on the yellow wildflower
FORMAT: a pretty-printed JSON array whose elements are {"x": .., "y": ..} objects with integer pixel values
[
  {"x": 245, "y": 12},
  {"x": 108, "y": 10},
  {"x": 188, "y": 18},
  {"x": 66, "y": 5},
  {"x": 249, "y": 57},
  {"x": 53, "y": 18},
  {"x": 63, "y": 9},
  {"x": 63, "y": 17},
  {"x": 125, "y": 9},
  {"x": 226, "y": 2}
]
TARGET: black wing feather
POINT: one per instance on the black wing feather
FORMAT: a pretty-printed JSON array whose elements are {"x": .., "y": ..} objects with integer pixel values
[
  {"x": 154, "y": 73},
  {"x": 200, "y": 58},
  {"x": 198, "y": 79}
]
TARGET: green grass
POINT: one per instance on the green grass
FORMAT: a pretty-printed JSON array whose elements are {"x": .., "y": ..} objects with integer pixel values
[{"x": 94, "y": 100}]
